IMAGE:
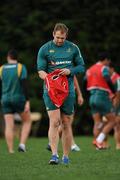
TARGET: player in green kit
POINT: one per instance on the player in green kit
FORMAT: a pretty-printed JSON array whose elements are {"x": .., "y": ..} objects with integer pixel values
[
  {"x": 15, "y": 99},
  {"x": 65, "y": 55},
  {"x": 100, "y": 85}
]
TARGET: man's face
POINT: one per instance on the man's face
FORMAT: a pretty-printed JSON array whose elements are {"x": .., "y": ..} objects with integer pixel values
[
  {"x": 107, "y": 62},
  {"x": 59, "y": 37},
  {"x": 111, "y": 70}
]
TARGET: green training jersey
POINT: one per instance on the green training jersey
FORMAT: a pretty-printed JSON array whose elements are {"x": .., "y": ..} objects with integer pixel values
[
  {"x": 11, "y": 88},
  {"x": 51, "y": 57}
]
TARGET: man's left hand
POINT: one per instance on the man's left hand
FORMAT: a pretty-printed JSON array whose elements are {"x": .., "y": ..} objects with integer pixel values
[{"x": 65, "y": 71}]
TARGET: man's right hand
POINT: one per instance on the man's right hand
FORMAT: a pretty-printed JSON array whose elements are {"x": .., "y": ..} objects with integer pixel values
[{"x": 42, "y": 74}]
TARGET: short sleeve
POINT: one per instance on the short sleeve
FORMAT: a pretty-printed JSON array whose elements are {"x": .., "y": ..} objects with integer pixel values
[
  {"x": 41, "y": 60},
  {"x": 24, "y": 72},
  {"x": 105, "y": 71}
]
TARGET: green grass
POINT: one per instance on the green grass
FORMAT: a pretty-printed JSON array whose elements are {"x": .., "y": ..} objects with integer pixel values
[{"x": 88, "y": 164}]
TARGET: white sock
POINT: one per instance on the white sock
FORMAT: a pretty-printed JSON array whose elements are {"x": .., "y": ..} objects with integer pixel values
[
  {"x": 22, "y": 146},
  {"x": 101, "y": 137}
]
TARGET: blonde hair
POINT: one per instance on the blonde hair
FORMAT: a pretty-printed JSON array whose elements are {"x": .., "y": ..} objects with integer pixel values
[{"x": 60, "y": 27}]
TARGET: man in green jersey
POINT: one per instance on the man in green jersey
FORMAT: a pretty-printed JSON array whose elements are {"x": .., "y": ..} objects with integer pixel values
[
  {"x": 15, "y": 99},
  {"x": 65, "y": 55},
  {"x": 80, "y": 100},
  {"x": 100, "y": 85}
]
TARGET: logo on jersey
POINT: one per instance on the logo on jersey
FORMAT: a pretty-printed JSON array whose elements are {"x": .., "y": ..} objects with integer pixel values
[
  {"x": 60, "y": 62},
  {"x": 51, "y": 51},
  {"x": 10, "y": 66}
]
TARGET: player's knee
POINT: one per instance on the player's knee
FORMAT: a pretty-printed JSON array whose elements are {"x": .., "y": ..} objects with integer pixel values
[
  {"x": 55, "y": 124},
  {"x": 66, "y": 124}
]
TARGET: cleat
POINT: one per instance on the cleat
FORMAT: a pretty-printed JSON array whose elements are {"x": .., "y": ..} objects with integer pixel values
[
  {"x": 48, "y": 147},
  {"x": 65, "y": 160},
  {"x": 20, "y": 149},
  {"x": 54, "y": 160},
  {"x": 11, "y": 151},
  {"x": 99, "y": 146},
  {"x": 75, "y": 148},
  {"x": 103, "y": 144}
]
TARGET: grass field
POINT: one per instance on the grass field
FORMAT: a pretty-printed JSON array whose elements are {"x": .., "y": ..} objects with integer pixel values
[{"x": 88, "y": 164}]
